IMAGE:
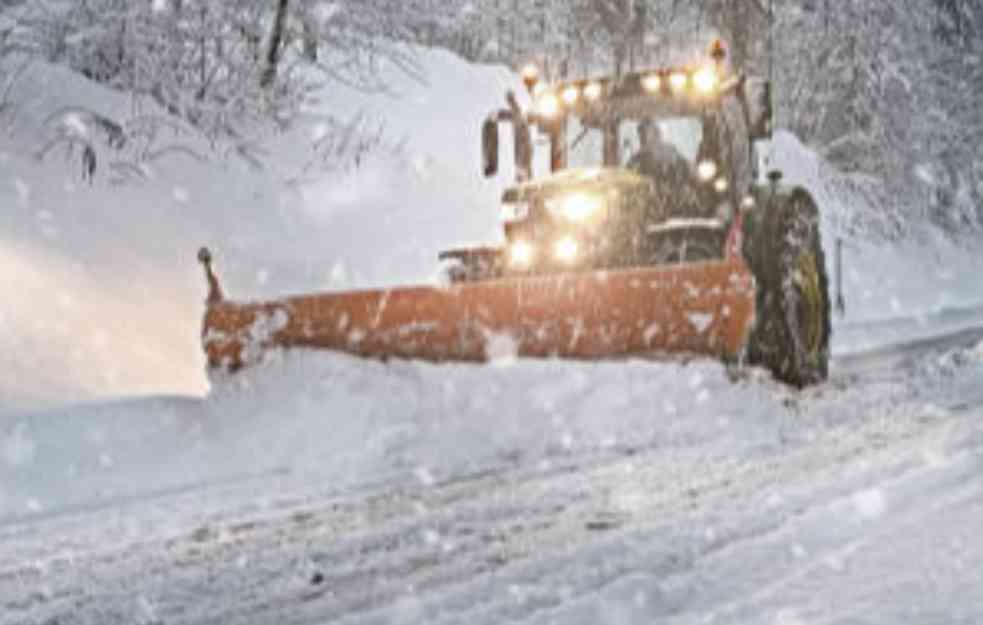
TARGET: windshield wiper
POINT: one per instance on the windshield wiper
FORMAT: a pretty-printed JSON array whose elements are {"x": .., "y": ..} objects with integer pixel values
[{"x": 580, "y": 137}]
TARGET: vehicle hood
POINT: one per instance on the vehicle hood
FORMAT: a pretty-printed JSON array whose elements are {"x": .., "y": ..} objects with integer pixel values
[{"x": 583, "y": 180}]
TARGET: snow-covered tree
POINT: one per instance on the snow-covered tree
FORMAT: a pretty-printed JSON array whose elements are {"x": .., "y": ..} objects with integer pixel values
[{"x": 228, "y": 67}]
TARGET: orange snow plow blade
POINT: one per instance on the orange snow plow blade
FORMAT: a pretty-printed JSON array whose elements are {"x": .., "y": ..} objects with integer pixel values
[{"x": 700, "y": 308}]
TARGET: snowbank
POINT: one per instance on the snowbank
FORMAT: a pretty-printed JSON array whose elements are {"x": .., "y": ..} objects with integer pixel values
[{"x": 358, "y": 421}]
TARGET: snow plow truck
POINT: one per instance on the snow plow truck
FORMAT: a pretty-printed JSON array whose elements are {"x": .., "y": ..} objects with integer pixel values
[{"x": 622, "y": 249}]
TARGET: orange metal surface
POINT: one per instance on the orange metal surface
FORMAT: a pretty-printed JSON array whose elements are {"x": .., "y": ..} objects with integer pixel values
[{"x": 699, "y": 308}]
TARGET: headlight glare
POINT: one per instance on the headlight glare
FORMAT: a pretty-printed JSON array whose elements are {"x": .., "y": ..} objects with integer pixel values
[
  {"x": 577, "y": 207},
  {"x": 652, "y": 83},
  {"x": 706, "y": 170},
  {"x": 548, "y": 104},
  {"x": 566, "y": 249},
  {"x": 521, "y": 254},
  {"x": 705, "y": 80},
  {"x": 678, "y": 81},
  {"x": 593, "y": 91}
]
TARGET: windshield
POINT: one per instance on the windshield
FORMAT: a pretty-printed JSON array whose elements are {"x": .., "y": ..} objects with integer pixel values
[
  {"x": 585, "y": 145},
  {"x": 682, "y": 133}
]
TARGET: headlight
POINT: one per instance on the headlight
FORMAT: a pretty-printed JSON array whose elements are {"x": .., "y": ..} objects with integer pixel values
[
  {"x": 721, "y": 185},
  {"x": 548, "y": 104},
  {"x": 570, "y": 95},
  {"x": 577, "y": 207},
  {"x": 515, "y": 211},
  {"x": 706, "y": 170},
  {"x": 521, "y": 254},
  {"x": 566, "y": 249},
  {"x": 705, "y": 80},
  {"x": 593, "y": 91},
  {"x": 678, "y": 81}
]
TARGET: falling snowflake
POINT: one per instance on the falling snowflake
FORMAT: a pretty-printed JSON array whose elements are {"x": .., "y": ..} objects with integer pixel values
[
  {"x": 17, "y": 449},
  {"x": 325, "y": 11},
  {"x": 501, "y": 348},
  {"x": 425, "y": 476},
  {"x": 869, "y": 504},
  {"x": 651, "y": 332},
  {"x": 430, "y": 537},
  {"x": 700, "y": 321},
  {"x": 23, "y": 191}
]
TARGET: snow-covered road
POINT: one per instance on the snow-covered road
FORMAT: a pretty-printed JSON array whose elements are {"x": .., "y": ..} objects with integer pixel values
[{"x": 778, "y": 508}]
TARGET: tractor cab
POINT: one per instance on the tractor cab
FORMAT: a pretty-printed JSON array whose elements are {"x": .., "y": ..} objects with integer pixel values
[{"x": 643, "y": 169}]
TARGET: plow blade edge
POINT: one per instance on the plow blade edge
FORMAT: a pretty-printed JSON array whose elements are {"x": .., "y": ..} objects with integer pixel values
[{"x": 701, "y": 308}]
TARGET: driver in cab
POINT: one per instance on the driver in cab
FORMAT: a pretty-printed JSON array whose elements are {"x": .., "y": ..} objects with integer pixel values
[{"x": 661, "y": 160}]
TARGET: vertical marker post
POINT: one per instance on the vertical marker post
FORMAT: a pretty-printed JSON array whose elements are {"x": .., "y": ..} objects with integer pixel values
[{"x": 840, "y": 302}]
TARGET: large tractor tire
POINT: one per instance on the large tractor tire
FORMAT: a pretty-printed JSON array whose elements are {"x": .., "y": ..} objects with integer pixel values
[{"x": 792, "y": 327}]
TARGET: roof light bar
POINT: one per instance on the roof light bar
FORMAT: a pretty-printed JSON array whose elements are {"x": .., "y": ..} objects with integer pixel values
[
  {"x": 678, "y": 81},
  {"x": 700, "y": 81},
  {"x": 652, "y": 83},
  {"x": 530, "y": 76},
  {"x": 570, "y": 95}
]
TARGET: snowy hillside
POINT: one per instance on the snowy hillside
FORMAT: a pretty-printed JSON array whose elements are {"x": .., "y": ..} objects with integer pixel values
[{"x": 321, "y": 488}]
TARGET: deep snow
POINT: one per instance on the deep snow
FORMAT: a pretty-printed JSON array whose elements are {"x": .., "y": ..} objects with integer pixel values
[{"x": 537, "y": 491}]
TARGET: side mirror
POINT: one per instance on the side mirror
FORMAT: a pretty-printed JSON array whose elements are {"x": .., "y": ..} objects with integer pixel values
[
  {"x": 757, "y": 93},
  {"x": 489, "y": 147}
]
